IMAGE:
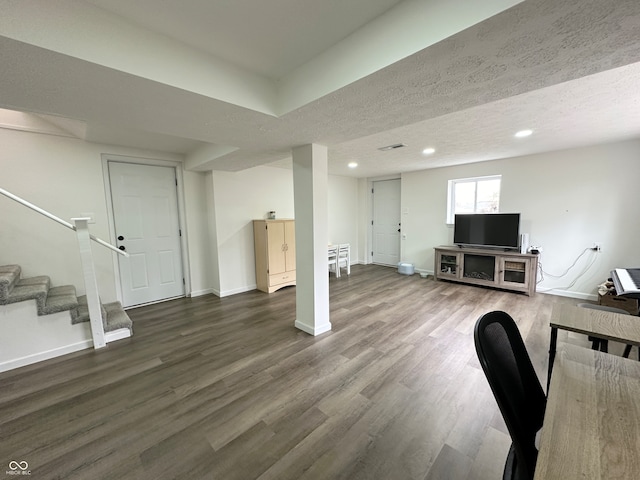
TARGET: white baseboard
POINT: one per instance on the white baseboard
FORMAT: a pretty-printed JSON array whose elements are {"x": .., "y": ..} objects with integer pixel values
[
  {"x": 224, "y": 293},
  {"x": 42, "y": 356},
  {"x": 118, "y": 334},
  {"x": 567, "y": 293},
  {"x": 199, "y": 293},
  {"x": 235, "y": 291},
  {"x": 57, "y": 352},
  {"x": 312, "y": 330}
]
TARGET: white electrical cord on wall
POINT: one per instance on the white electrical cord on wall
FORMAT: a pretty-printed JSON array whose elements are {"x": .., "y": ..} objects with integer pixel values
[{"x": 566, "y": 272}]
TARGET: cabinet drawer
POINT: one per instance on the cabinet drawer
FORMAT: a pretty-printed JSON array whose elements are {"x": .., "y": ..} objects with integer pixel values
[{"x": 284, "y": 277}]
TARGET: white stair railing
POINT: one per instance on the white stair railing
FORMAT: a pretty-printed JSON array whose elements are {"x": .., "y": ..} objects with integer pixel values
[
  {"x": 88, "y": 267},
  {"x": 90, "y": 282}
]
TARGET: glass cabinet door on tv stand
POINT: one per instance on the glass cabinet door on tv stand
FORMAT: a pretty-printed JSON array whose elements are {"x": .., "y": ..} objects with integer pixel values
[
  {"x": 514, "y": 272},
  {"x": 448, "y": 264}
]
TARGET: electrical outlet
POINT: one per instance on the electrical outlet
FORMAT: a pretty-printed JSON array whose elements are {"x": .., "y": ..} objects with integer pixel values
[{"x": 597, "y": 246}]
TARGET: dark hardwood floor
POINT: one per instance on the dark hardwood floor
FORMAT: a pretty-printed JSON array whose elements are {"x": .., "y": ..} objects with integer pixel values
[{"x": 229, "y": 389}]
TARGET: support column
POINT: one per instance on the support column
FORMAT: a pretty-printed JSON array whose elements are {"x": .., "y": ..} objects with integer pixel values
[{"x": 312, "y": 219}]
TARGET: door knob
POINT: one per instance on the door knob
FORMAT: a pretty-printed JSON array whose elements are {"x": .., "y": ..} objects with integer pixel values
[
  {"x": 120, "y": 237},
  {"x": 121, "y": 247}
]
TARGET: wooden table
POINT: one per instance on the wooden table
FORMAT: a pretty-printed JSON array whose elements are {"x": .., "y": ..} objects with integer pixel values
[
  {"x": 596, "y": 323},
  {"x": 591, "y": 426}
]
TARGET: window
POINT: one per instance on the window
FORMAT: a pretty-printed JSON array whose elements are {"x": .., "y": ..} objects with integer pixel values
[{"x": 473, "y": 195}]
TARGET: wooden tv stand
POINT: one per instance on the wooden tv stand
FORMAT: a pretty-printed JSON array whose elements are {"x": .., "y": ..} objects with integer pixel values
[{"x": 488, "y": 267}]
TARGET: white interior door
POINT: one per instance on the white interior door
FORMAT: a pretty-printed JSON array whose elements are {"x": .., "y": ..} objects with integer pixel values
[
  {"x": 386, "y": 222},
  {"x": 145, "y": 210}
]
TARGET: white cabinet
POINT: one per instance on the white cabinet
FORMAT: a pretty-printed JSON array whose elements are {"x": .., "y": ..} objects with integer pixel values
[{"x": 275, "y": 249}]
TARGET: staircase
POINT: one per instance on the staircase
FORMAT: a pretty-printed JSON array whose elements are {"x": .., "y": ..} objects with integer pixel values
[{"x": 26, "y": 338}]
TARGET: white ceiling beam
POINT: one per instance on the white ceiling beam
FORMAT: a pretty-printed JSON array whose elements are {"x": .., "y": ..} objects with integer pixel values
[
  {"x": 82, "y": 31},
  {"x": 404, "y": 30}
]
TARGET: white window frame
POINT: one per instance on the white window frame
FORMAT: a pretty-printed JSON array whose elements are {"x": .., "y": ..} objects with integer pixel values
[{"x": 451, "y": 201}]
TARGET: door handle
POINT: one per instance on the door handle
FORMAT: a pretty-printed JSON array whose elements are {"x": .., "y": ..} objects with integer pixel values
[
  {"x": 120, "y": 237},
  {"x": 121, "y": 247},
  {"x": 398, "y": 230}
]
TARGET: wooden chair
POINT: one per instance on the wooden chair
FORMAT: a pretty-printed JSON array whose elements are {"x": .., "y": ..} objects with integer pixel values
[
  {"x": 344, "y": 257},
  {"x": 332, "y": 253},
  {"x": 515, "y": 386}
]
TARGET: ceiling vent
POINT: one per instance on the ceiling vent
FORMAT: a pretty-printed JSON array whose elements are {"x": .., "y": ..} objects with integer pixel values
[{"x": 392, "y": 147}]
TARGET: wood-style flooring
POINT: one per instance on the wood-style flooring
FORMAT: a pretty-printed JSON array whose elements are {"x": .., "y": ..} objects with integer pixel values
[{"x": 227, "y": 388}]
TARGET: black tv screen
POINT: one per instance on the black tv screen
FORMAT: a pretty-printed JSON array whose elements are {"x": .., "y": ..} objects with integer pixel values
[{"x": 487, "y": 229}]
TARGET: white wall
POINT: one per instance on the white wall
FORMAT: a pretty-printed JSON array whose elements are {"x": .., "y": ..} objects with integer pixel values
[
  {"x": 64, "y": 176},
  {"x": 364, "y": 221},
  {"x": 567, "y": 200},
  {"x": 241, "y": 197},
  {"x": 343, "y": 212},
  {"x": 199, "y": 221}
]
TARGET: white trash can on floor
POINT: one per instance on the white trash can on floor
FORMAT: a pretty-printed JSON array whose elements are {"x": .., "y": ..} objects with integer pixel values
[{"x": 406, "y": 268}]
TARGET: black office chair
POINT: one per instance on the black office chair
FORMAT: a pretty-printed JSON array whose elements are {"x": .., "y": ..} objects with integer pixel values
[{"x": 515, "y": 386}]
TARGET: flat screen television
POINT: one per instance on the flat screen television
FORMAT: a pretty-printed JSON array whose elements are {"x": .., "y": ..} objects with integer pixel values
[{"x": 497, "y": 230}]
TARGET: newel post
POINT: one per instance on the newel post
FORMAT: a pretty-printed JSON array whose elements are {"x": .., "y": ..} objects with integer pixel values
[{"x": 90, "y": 283}]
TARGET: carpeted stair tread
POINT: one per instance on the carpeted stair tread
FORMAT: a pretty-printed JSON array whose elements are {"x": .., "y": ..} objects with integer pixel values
[
  {"x": 113, "y": 315},
  {"x": 83, "y": 311},
  {"x": 61, "y": 299},
  {"x": 34, "y": 288},
  {"x": 116, "y": 317},
  {"x": 9, "y": 276},
  {"x": 49, "y": 299}
]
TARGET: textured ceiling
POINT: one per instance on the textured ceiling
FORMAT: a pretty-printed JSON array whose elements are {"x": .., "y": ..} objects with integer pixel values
[
  {"x": 565, "y": 69},
  {"x": 595, "y": 109}
]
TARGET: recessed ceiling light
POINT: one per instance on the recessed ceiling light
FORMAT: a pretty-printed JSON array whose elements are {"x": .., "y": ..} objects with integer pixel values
[
  {"x": 352, "y": 164},
  {"x": 428, "y": 151},
  {"x": 523, "y": 133}
]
